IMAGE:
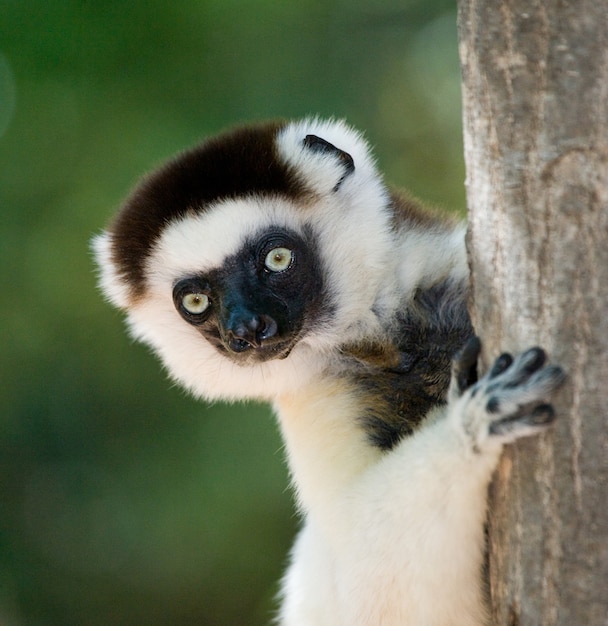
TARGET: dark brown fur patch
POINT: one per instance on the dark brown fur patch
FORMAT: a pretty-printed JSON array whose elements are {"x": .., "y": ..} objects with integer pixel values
[
  {"x": 402, "y": 380},
  {"x": 373, "y": 354},
  {"x": 234, "y": 164}
]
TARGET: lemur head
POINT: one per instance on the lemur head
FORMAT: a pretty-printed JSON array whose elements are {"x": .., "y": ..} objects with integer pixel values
[{"x": 244, "y": 261}]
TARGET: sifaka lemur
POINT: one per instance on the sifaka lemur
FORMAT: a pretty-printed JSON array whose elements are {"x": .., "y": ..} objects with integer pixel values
[{"x": 272, "y": 262}]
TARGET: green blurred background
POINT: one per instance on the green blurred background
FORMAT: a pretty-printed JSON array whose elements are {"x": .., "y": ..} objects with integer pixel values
[{"x": 122, "y": 500}]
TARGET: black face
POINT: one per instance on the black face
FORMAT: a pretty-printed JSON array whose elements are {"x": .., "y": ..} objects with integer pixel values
[{"x": 260, "y": 302}]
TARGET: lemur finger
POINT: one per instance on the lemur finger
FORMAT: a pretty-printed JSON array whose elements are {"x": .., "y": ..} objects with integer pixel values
[
  {"x": 502, "y": 363},
  {"x": 509, "y": 399},
  {"x": 542, "y": 414},
  {"x": 532, "y": 421},
  {"x": 547, "y": 380},
  {"x": 464, "y": 365},
  {"x": 524, "y": 366}
]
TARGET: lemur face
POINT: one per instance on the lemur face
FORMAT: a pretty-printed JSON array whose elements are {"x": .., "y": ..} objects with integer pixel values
[{"x": 260, "y": 301}]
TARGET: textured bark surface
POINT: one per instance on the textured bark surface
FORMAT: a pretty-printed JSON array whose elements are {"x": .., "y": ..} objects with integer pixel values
[{"x": 535, "y": 93}]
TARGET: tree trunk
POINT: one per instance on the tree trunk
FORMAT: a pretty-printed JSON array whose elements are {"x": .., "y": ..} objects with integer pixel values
[{"x": 535, "y": 93}]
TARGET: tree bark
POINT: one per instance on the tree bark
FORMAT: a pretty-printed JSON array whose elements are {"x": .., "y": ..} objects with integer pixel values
[{"x": 535, "y": 94}]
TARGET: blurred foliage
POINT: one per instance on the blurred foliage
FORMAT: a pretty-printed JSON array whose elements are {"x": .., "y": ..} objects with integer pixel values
[{"x": 122, "y": 500}]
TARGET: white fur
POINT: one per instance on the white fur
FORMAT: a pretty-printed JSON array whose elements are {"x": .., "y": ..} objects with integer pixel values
[
  {"x": 430, "y": 255},
  {"x": 115, "y": 289}
]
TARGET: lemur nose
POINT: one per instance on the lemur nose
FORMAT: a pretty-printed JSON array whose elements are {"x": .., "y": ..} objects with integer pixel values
[{"x": 250, "y": 331}]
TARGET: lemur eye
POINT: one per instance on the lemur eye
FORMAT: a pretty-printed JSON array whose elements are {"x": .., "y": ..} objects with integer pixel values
[
  {"x": 278, "y": 259},
  {"x": 195, "y": 303}
]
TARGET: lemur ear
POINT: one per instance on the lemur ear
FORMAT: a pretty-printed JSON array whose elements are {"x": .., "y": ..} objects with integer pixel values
[{"x": 317, "y": 144}]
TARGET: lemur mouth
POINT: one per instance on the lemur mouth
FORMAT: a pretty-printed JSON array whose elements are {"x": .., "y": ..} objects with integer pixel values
[{"x": 249, "y": 354}]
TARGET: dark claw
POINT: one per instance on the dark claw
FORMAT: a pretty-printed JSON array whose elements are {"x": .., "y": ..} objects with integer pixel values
[
  {"x": 534, "y": 359},
  {"x": 542, "y": 414},
  {"x": 465, "y": 364},
  {"x": 502, "y": 363},
  {"x": 493, "y": 405}
]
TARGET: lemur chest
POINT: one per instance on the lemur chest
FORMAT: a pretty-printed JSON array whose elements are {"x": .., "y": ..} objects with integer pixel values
[{"x": 403, "y": 377}]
